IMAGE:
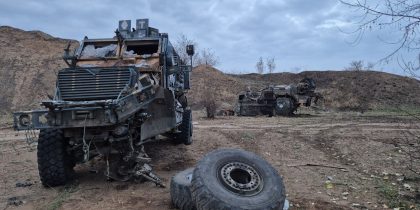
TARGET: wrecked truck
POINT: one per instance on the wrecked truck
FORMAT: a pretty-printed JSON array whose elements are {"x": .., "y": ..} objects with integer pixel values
[
  {"x": 116, "y": 94},
  {"x": 281, "y": 100}
]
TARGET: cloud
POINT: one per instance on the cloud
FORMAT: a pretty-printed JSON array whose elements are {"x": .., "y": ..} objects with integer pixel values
[{"x": 298, "y": 33}]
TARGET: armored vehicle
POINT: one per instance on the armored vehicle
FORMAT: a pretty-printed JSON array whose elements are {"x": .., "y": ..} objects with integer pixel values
[
  {"x": 277, "y": 100},
  {"x": 116, "y": 95}
]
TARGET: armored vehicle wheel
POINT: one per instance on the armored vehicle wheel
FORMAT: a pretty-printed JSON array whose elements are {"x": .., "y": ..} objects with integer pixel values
[
  {"x": 284, "y": 106},
  {"x": 186, "y": 128},
  {"x": 236, "y": 179},
  {"x": 180, "y": 190},
  {"x": 54, "y": 165}
]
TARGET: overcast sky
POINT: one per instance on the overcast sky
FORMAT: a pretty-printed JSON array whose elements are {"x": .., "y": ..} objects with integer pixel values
[{"x": 299, "y": 34}]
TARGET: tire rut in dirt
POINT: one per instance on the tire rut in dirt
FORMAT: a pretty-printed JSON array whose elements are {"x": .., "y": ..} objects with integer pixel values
[
  {"x": 236, "y": 179},
  {"x": 180, "y": 190},
  {"x": 54, "y": 165}
]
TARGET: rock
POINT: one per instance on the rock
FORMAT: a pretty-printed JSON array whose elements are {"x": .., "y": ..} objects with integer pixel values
[
  {"x": 286, "y": 205},
  {"x": 345, "y": 193},
  {"x": 26, "y": 183},
  {"x": 329, "y": 185},
  {"x": 407, "y": 186},
  {"x": 15, "y": 201}
]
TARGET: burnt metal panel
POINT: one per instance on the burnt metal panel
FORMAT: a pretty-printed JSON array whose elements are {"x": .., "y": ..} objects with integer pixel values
[{"x": 162, "y": 115}]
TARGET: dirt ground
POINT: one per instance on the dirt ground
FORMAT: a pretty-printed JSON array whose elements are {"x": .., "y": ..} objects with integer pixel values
[{"x": 328, "y": 161}]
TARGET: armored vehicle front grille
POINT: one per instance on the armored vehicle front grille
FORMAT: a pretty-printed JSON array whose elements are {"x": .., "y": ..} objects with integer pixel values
[{"x": 92, "y": 83}]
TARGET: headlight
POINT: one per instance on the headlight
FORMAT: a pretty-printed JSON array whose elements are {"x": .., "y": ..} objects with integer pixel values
[{"x": 24, "y": 120}]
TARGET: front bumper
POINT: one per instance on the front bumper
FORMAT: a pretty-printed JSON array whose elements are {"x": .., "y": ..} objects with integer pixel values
[{"x": 78, "y": 114}]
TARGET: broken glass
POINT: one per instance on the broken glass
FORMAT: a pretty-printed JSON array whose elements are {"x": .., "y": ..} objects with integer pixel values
[{"x": 99, "y": 52}]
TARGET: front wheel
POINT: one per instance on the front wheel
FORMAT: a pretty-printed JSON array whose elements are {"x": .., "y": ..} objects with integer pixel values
[
  {"x": 284, "y": 106},
  {"x": 54, "y": 164}
]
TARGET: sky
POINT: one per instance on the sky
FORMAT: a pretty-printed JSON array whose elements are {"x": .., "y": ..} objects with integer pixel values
[{"x": 299, "y": 34}]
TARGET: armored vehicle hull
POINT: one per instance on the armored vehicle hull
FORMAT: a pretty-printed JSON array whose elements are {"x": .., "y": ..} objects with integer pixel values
[
  {"x": 116, "y": 95},
  {"x": 282, "y": 100}
]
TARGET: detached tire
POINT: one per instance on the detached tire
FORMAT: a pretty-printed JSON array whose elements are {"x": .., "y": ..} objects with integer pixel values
[
  {"x": 186, "y": 129},
  {"x": 180, "y": 190},
  {"x": 284, "y": 106},
  {"x": 54, "y": 165},
  {"x": 236, "y": 179}
]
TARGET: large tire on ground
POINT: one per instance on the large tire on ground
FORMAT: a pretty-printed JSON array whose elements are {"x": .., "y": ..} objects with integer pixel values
[
  {"x": 54, "y": 164},
  {"x": 284, "y": 106},
  {"x": 236, "y": 179},
  {"x": 186, "y": 129},
  {"x": 180, "y": 190}
]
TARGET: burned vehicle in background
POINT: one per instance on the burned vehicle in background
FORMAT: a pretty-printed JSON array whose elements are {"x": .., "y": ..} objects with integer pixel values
[
  {"x": 116, "y": 95},
  {"x": 281, "y": 100}
]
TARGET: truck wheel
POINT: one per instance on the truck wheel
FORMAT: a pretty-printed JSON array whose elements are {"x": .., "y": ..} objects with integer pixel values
[
  {"x": 54, "y": 165},
  {"x": 186, "y": 128},
  {"x": 284, "y": 106},
  {"x": 180, "y": 190},
  {"x": 236, "y": 179}
]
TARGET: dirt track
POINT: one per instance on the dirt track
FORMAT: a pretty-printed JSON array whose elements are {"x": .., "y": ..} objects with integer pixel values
[{"x": 358, "y": 153}]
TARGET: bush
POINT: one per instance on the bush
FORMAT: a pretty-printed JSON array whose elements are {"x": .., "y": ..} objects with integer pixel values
[{"x": 209, "y": 103}]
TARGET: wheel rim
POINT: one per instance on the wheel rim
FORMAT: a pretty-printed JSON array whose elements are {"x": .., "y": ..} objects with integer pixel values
[
  {"x": 281, "y": 105},
  {"x": 241, "y": 178}
]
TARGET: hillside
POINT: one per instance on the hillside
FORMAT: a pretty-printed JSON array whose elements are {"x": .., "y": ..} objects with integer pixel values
[
  {"x": 29, "y": 60},
  {"x": 350, "y": 90},
  {"x": 342, "y": 90}
]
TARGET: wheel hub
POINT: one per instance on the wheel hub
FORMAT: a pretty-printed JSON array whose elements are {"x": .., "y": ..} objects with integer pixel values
[{"x": 241, "y": 178}]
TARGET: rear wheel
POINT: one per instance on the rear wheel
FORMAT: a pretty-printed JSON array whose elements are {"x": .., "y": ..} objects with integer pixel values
[
  {"x": 186, "y": 129},
  {"x": 54, "y": 164},
  {"x": 284, "y": 106}
]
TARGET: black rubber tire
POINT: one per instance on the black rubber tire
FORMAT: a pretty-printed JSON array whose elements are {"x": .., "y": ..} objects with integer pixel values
[
  {"x": 186, "y": 129},
  {"x": 209, "y": 193},
  {"x": 180, "y": 190},
  {"x": 284, "y": 106},
  {"x": 54, "y": 165}
]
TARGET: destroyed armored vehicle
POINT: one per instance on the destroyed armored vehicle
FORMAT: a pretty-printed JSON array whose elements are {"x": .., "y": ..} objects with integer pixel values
[
  {"x": 116, "y": 95},
  {"x": 280, "y": 100}
]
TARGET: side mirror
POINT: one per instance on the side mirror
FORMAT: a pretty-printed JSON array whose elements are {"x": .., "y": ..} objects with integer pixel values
[{"x": 190, "y": 50}]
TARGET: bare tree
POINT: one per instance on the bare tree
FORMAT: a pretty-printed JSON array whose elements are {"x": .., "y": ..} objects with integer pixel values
[
  {"x": 355, "y": 66},
  {"x": 260, "y": 66},
  {"x": 369, "y": 66},
  {"x": 358, "y": 65},
  {"x": 209, "y": 102},
  {"x": 207, "y": 57},
  {"x": 402, "y": 16},
  {"x": 180, "y": 45},
  {"x": 271, "y": 65}
]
